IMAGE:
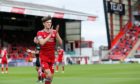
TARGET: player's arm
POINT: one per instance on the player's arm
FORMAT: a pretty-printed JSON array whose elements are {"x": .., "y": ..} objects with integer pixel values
[
  {"x": 63, "y": 55},
  {"x": 59, "y": 38},
  {"x": 43, "y": 41},
  {"x": 2, "y": 53},
  {"x": 32, "y": 51},
  {"x": 57, "y": 28},
  {"x": 7, "y": 56}
]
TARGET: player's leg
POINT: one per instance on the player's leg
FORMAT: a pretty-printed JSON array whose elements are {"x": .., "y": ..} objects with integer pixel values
[
  {"x": 2, "y": 68},
  {"x": 49, "y": 76},
  {"x": 6, "y": 63},
  {"x": 48, "y": 70},
  {"x": 39, "y": 71},
  {"x": 6, "y": 68},
  {"x": 62, "y": 64},
  {"x": 43, "y": 76},
  {"x": 57, "y": 66}
]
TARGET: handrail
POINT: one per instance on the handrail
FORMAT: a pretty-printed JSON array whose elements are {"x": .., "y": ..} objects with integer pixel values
[{"x": 121, "y": 33}]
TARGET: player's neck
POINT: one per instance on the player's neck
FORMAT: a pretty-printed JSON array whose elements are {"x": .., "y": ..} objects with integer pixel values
[{"x": 47, "y": 29}]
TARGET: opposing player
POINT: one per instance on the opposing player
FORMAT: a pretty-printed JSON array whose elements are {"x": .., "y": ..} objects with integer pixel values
[
  {"x": 4, "y": 61},
  {"x": 37, "y": 63},
  {"x": 47, "y": 43},
  {"x": 60, "y": 59}
]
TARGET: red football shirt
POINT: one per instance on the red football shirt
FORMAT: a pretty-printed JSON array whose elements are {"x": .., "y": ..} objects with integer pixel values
[
  {"x": 47, "y": 51},
  {"x": 4, "y": 54},
  {"x": 60, "y": 55}
]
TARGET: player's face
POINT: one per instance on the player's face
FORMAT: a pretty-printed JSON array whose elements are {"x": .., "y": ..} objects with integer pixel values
[{"x": 47, "y": 24}]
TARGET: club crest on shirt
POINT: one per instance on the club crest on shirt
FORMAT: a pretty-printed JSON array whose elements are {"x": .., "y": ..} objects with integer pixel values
[
  {"x": 44, "y": 36},
  {"x": 53, "y": 35}
]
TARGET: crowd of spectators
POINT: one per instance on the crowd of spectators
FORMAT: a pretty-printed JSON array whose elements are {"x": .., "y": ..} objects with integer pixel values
[{"x": 125, "y": 44}]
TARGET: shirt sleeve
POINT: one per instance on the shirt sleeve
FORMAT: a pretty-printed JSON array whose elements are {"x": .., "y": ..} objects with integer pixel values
[{"x": 39, "y": 35}]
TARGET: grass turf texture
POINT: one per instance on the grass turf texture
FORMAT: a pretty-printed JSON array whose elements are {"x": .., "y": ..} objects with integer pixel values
[{"x": 78, "y": 74}]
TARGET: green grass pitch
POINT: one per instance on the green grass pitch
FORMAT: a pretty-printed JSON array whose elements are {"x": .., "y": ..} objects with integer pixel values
[{"x": 78, "y": 74}]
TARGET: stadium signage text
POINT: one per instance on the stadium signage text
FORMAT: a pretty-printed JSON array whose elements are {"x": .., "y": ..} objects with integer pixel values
[{"x": 116, "y": 8}]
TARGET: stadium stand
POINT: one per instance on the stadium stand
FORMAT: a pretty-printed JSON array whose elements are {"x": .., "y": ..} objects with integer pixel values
[
  {"x": 17, "y": 45},
  {"x": 137, "y": 53},
  {"x": 125, "y": 44}
]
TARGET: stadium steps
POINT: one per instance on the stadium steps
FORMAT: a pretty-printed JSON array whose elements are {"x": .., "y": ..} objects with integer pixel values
[
  {"x": 114, "y": 53},
  {"x": 132, "y": 52},
  {"x": 121, "y": 33},
  {"x": 117, "y": 39}
]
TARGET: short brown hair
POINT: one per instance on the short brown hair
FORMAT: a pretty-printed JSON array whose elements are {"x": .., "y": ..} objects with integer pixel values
[{"x": 44, "y": 19}]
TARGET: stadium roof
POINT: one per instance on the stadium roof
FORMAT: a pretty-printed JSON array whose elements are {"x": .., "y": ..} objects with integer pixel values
[{"x": 43, "y": 10}]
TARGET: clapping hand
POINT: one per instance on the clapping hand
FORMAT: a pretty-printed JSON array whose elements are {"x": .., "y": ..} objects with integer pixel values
[{"x": 57, "y": 28}]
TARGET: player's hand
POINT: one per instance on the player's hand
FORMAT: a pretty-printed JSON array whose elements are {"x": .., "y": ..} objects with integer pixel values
[
  {"x": 36, "y": 40},
  {"x": 28, "y": 50},
  {"x": 57, "y": 28},
  {"x": 51, "y": 31}
]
